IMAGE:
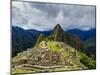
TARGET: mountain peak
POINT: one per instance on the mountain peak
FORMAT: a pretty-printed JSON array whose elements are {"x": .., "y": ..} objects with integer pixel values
[
  {"x": 58, "y": 33},
  {"x": 58, "y": 27}
]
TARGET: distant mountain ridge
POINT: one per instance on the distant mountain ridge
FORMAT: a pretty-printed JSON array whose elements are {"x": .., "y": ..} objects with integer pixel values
[
  {"x": 84, "y": 35},
  {"x": 22, "y": 39}
]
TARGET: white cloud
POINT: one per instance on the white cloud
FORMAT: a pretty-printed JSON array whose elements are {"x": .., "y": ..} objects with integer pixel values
[
  {"x": 60, "y": 17},
  {"x": 86, "y": 28},
  {"x": 44, "y": 16}
]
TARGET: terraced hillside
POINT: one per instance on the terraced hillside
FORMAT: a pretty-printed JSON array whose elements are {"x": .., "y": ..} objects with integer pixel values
[{"x": 50, "y": 56}]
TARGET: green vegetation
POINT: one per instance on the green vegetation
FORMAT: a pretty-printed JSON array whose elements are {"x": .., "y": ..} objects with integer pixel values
[
  {"x": 40, "y": 38},
  {"x": 21, "y": 71},
  {"x": 89, "y": 62},
  {"x": 54, "y": 46},
  {"x": 89, "y": 47},
  {"x": 35, "y": 70},
  {"x": 58, "y": 34}
]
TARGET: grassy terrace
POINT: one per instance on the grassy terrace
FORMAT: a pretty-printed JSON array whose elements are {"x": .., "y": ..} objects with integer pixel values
[
  {"x": 79, "y": 60},
  {"x": 42, "y": 70},
  {"x": 87, "y": 61},
  {"x": 54, "y": 46},
  {"x": 84, "y": 59}
]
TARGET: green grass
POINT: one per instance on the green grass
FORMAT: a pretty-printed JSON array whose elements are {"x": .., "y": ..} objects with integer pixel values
[
  {"x": 87, "y": 61},
  {"x": 54, "y": 46}
]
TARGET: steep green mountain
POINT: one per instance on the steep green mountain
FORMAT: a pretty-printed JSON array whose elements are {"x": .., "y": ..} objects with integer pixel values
[
  {"x": 90, "y": 47},
  {"x": 23, "y": 39},
  {"x": 58, "y": 34},
  {"x": 40, "y": 38},
  {"x": 51, "y": 56}
]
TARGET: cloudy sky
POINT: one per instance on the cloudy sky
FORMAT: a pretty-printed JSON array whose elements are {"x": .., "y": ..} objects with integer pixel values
[{"x": 44, "y": 16}]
